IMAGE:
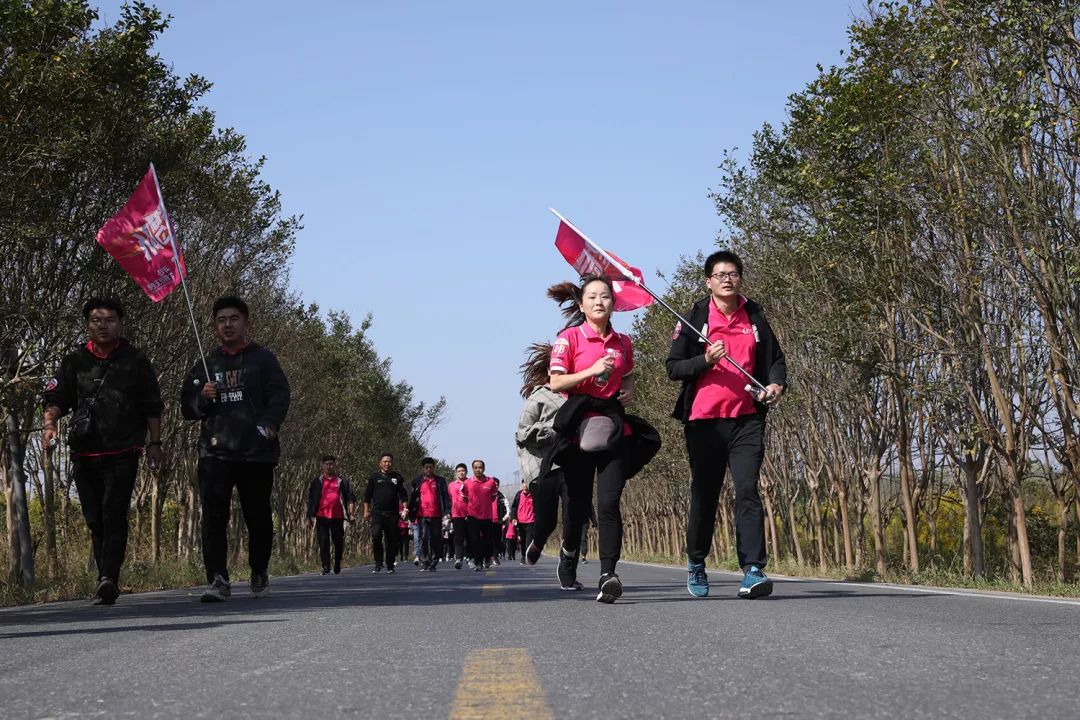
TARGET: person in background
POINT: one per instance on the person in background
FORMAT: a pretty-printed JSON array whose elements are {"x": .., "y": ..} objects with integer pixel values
[{"x": 331, "y": 504}]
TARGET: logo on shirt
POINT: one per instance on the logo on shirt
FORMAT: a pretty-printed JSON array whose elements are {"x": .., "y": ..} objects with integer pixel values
[
  {"x": 51, "y": 385},
  {"x": 560, "y": 347}
]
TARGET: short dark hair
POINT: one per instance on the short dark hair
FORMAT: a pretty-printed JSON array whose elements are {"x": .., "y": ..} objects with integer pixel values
[
  {"x": 328, "y": 458},
  {"x": 481, "y": 462},
  {"x": 427, "y": 461},
  {"x": 722, "y": 256},
  {"x": 102, "y": 303},
  {"x": 462, "y": 466},
  {"x": 387, "y": 454},
  {"x": 230, "y": 301}
]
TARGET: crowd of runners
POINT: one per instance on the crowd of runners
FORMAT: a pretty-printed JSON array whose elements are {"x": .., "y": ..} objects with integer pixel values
[{"x": 577, "y": 445}]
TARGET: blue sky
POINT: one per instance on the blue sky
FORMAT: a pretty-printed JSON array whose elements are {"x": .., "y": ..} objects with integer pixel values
[{"x": 423, "y": 143}]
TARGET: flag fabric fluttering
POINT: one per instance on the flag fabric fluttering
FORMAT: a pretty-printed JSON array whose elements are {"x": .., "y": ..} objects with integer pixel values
[
  {"x": 587, "y": 259},
  {"x": 142, "y": 239}
]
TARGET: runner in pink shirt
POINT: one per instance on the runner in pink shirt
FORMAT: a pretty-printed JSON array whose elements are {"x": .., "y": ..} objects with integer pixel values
[
  {"x": 481, "y": 491},
  {"x": 591, "y": 358},
  {"x": 459, "y": 510}
]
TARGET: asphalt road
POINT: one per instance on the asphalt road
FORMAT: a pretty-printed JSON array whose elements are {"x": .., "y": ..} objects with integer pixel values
[{"x": 508, "y": 644}]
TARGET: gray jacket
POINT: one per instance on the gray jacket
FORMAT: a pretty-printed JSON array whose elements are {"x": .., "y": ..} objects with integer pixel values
[{"x": 535, "y": 430}]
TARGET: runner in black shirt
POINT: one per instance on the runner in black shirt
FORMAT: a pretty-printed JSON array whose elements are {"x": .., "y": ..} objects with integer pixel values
[{"x": 385, "y": 490}]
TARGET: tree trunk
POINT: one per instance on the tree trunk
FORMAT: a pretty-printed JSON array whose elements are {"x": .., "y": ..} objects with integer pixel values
[
  {"x": 873, "y": 482},
  {"x": 972, "y": 519},
  {"x": 48, "y": 509},
  {"x": 22, "y": 549}
]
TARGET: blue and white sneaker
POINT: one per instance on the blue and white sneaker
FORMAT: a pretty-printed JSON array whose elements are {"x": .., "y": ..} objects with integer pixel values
[
  {"x": 697, "y": 582},
  {"x": 755, "y": 584}
]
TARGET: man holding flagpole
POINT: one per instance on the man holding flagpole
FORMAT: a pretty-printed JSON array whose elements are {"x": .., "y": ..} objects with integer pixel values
[
  {"x": 114, "y": 392},
  {"x": 241, "y": 405},
  {"x": 724, "y": 418}
]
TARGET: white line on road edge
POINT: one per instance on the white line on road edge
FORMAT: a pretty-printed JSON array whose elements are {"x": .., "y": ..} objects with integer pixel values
[{"x": 903, "y": 588}]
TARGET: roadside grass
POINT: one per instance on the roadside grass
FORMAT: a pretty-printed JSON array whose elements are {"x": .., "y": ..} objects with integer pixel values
[{"x": 75, "y": 578}]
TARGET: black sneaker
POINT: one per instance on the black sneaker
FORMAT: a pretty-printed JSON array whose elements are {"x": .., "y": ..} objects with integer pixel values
[
  {"x": 479, "y": 567},
  {"x": 217, "y": 591},
  {"x": 416, "y": 562},
  {"x": 432, "y": 566},
  {"x": 106, "y": 593},
  {"x": 567, "y": 572},
  {"x": 457, "y": 564},
  {"x": 497, "y": 561},
  {"x": 610, "y": 588},
  {"x": 533, "y": 553},
  {"x": 390, "y": 570},
  {"x": 325, "y": 572},
  {"x": 260, "y": 585},
  {"x": 377, "y": 569}
]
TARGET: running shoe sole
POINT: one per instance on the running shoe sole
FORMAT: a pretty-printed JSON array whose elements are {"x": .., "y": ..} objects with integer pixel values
[
  {"x": 760, "y": 590},
  {"x": 106, "y": 594},
  {"x": 610, "y": 591}
]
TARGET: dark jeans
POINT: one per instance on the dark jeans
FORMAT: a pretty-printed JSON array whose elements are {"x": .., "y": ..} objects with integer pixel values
[
  {"x": 524, "y": 536},
  {"x": 327, "y": 530},
  {"x": 715, "y": 445},
  {"x": 404, "y": 536},
  {"x": 105, "y": 485},
  {"x": 384, "y": 536},
  {"x": 461, "y": 533},
  {"x": 610, "y": 481},
  {"x": 430, "y": 550},
  {"x": 481, "y": 540},
  {"x": 254, "y": 483}
]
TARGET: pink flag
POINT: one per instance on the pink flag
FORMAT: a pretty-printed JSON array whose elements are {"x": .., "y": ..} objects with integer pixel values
[
  {"x": 142, "y": 240},
  {"x": 587, "y": 260}
]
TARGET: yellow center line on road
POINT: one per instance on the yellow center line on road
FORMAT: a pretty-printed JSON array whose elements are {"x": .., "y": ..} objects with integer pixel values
[
  {"x": 497, "y": 683},
  {"x": 492, "y": 589}
]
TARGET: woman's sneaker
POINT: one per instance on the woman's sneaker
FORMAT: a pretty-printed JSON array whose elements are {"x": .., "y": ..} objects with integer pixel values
[
  {"x": 755, "y": 584},
  {"x": 610, "y": 588},
  {"x": 697, "y": 582},
  {"x": 533, "y": 553},
  {"x": 567, "y": 572},
  {"x": 217, "y": 591}
]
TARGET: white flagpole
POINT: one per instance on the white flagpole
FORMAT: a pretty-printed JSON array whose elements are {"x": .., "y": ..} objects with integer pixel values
[
  {"x": 180, "y": 272},
  {"x": 641, "y": 284}
]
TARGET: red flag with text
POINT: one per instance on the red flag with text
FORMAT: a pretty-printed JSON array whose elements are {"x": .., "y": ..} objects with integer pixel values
[
  {"x": 586, "y": 260},
  {"x": 142, "y": 240}
]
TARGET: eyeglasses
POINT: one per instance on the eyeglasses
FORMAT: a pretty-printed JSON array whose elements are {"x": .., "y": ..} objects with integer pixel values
[{"x": 732, "y": 276}]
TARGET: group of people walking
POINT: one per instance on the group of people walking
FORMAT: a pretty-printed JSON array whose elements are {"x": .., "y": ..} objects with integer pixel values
[{"x": 574, "y": 435}]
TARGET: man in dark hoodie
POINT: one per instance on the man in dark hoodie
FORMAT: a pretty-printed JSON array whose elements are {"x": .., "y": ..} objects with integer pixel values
[
  {"x": 241, "y": 406},
  {"x": 115, "y": 394},
  {"x": 429, "y": 503},
  {"x": 383, "y": 495}
]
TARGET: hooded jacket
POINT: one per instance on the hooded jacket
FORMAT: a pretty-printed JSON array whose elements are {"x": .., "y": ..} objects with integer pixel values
[
  {"x": 638, "y": 448},
  {"x": 535, "y": 430},
  {"x": 442, "y": 496},
  {"x": 686, "y": 359},
  {"x": 127, "y": 393},
  {"x": 253, "y": 392},
  {"x": 346, "y": 496}
]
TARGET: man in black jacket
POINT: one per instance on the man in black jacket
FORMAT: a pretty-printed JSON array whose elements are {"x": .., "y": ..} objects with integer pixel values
[
  {"x": 429, "y": 503},
  {"x": 724, "y": 423},
  {"x": 384, "y": 493},
  {"x": 115, "y": 394},
  {"x": 241, "y": 407},
  {"x": 331, "y": 503}
]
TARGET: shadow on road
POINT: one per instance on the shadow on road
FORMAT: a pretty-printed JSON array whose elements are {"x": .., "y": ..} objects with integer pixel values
[{"x": 126, "y": 628}]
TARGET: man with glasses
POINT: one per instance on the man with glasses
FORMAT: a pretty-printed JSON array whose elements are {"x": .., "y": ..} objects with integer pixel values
[
  {"x": 724, "y": 423},
  {"x": 114, "y": 391}
]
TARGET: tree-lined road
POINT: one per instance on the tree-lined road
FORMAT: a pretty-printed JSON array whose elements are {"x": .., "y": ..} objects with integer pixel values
[{"x": 508, "y": 643}]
